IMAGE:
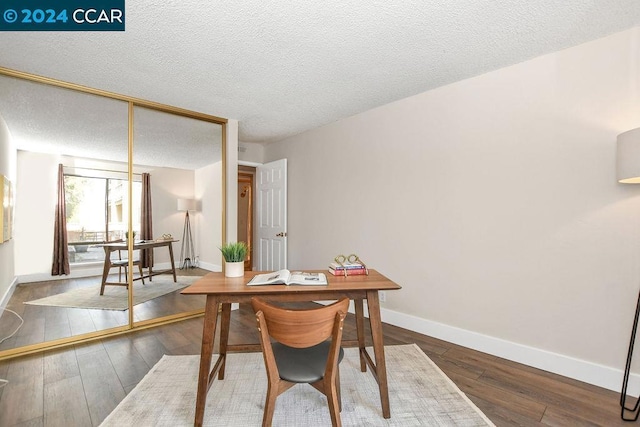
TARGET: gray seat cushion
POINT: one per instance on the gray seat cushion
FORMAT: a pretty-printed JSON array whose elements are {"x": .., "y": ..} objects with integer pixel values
[{"x": 302, "y": 365}]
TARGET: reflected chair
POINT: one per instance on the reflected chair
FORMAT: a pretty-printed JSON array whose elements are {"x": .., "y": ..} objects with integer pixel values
[
  {"x": 306, "y": 350},
  {"x": 122, "y": 264}
]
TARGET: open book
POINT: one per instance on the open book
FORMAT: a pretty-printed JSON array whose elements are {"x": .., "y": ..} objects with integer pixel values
[{"x": 285, "y": 277}]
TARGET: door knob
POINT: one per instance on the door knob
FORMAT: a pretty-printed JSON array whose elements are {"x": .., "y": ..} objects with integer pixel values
[{"x": 281, "y": 234}]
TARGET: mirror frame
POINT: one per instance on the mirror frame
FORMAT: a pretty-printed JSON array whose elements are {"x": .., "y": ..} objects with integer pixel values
[{"x": 132, "y": 102}]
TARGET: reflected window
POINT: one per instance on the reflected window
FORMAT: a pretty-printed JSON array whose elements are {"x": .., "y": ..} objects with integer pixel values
[{"x": 96, "y": 209}]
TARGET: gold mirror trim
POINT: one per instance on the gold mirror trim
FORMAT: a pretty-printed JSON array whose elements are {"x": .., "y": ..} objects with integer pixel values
[{"x": 132, "y": 101}]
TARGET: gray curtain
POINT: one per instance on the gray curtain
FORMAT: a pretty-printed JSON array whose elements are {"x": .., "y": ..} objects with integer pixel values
[
  {"x": 60, "y": 249},
  {"x": 146, "y": 225}
]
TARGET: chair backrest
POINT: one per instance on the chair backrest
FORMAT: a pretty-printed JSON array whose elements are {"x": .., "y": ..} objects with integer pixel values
[{"x": 300, "y": 328}]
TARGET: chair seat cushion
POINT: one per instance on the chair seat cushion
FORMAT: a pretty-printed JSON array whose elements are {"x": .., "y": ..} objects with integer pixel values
[{"x": 302, "y": 365}]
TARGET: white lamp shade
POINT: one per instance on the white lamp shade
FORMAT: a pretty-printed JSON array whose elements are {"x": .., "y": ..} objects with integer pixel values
[
  {"x": 186, "y": 205},
  {"x": 628, "y": 157}
]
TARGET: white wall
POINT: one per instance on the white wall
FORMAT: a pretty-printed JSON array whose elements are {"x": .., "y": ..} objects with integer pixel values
[
  {"x": 167, "y": 186},
  {"x": 36, "y": 190},
  {"x": 493, "y": 202},
  {"x": 208, "y": 222},
  {"x": 251, "y": 152},
  {"x": 7, "y": 169}
]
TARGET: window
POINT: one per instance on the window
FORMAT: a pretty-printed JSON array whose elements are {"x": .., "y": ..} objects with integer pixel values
[{"x": 97, "y": 212}]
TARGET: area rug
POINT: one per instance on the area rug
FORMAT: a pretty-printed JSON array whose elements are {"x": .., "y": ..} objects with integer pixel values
[
  {"x": 419, "y": 392},
  {"x": 115, "y": 297}
]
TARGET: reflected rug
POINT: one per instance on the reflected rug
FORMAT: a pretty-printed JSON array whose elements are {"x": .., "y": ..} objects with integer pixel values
[
  {"x": 115, "y": 297},
  {"x": 419, "y": 392}
]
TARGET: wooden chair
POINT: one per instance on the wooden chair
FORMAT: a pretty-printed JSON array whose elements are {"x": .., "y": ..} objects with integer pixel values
[
  {"x": 122, "y": 264},
  {"x": 302, "y": 351}
]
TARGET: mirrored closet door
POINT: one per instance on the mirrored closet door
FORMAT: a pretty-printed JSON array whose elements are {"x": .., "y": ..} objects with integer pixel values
[{"x": 143, "y": 190}]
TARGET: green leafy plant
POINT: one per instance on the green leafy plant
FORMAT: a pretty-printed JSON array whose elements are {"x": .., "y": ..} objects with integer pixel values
[
  {"x": 234, "y": 252},
  {"x": 126, "y": 235}
]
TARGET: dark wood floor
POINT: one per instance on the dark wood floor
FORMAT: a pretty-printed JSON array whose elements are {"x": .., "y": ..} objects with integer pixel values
[
  {"x": 42, "y": 323},
  {"x": 80, "y": 386}
]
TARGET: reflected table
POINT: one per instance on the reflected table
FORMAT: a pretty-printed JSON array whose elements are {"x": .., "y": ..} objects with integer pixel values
[{"x": 137, "y": 245}]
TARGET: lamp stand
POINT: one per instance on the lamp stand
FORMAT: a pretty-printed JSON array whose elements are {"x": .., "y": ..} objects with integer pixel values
[
  {"x": 627, "y": 371},
  {"x": 187, "y": 256}
]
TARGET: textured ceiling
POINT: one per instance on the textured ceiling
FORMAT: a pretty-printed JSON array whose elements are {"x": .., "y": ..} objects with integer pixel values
[
  {"x": 284, "y": 67},
  {"x": 49, "y": 119}
]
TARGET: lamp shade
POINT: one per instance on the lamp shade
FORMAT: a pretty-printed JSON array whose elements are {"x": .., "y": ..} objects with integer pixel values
[
  {"x": 628, "y": 157},
  {"x": 186, "y": 205}
]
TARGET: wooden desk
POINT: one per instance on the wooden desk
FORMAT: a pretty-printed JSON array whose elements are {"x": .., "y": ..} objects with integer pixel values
[
  {"x": 122, "y": 246},
  {"x": 228, "y": 290}
]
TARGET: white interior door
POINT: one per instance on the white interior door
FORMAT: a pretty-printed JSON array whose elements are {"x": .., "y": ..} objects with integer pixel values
[{"x": 271, "y": 216}]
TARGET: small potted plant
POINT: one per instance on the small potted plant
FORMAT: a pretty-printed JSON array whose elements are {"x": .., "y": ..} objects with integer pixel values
[
  {"x": 126, "y": 235},
  {"x": 234, "y": 255}
]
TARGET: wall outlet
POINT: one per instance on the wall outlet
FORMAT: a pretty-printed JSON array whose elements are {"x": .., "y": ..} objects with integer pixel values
[{"x": 382, "y": 296}]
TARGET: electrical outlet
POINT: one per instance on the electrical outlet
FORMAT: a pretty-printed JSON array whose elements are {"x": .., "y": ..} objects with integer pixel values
[{"x": 382, "y": 296}]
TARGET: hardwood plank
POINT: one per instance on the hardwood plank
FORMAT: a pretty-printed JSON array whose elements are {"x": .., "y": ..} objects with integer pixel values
[
  {"x": 35, "y": 422},
  {"x": 60, "y": 365},
  {"x": 452, "y": 365},
  {"x": 558, "y": 416},
  {"x": 503, "y": 416},
  {"x": 102, "y": 387},
  {"x": 527, "y": 408},
  {"x": 22, "y": 400},
  {"x": 127, "y": 362},
  {"x": 149, "y": 347},
  {"x": 549, "y": 391},
  {"x": 65, "y": 404},
  {"x": 81, "y": 322},
  {"x": 57, "y": 329}
]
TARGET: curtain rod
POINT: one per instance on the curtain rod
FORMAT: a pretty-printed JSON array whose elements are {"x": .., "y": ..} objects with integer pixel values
[{"x": 100, "y": 170}]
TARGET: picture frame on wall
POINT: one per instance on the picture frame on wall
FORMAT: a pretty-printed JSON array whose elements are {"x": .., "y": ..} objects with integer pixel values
[{"x": 6, "y": 220}]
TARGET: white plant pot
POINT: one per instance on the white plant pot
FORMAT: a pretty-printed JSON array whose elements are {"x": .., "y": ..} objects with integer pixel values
[{"x": 234, "y": 269}]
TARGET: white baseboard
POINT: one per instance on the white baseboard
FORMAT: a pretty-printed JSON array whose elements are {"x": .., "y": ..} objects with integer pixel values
[
  {"x": 210, "y": 266},
  {"x": 582, "y": 370},
  {"x": 8, "y": 293}
]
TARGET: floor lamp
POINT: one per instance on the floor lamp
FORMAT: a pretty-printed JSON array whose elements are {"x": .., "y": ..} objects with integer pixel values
[
  {"x": 187, "y": 255},
  {"x": 628, "y": 170}
]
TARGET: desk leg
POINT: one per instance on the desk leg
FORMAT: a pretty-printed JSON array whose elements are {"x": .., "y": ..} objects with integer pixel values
[
  {"x": 224, "y": 336},
  {"x": 208, "y": 337},
  {"x": 173, "y": 264},
  {"x": 106, "y": 268},
  {"x": 378, "y": 349},
  {"x": 151, "y": 266},
  {"x": 360, "y": 330}
]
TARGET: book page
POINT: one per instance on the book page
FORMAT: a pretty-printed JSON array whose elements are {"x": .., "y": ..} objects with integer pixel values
[
  {"x": 280, "y": 277},
  {"x": 302, "y": 278}
]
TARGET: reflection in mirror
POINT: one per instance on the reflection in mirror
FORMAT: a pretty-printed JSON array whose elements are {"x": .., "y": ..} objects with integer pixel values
[
  {"x": 180, "y": 160},
  {"x": 88, "y": 135}
]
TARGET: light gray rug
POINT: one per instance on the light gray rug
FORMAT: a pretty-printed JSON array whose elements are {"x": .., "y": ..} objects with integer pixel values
[
  {"x": 115, "y": 297},
  {"x": 419, "y": 392}
]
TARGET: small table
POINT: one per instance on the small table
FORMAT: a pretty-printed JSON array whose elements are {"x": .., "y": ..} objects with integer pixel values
[
  {"x": 122, "y": 246},
  {"x": 227, "y": 290}
]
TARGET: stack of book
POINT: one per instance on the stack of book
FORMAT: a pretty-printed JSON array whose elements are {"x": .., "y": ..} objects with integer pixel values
[{"x": 347, "y": 269}]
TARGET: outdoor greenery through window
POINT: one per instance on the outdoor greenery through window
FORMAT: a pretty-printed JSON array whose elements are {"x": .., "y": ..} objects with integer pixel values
[{"x": 97, "y": 212}]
